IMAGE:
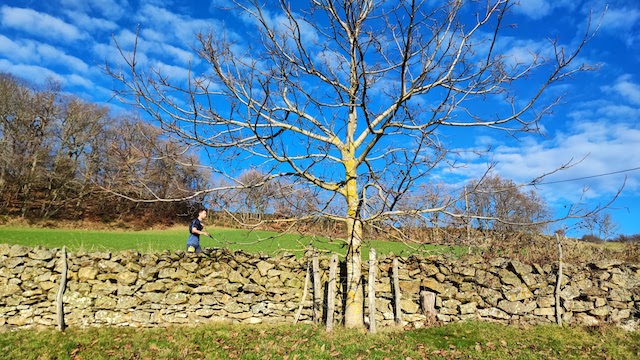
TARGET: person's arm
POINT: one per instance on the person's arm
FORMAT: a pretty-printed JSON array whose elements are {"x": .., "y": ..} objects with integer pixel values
[{"x": 195, "y": 230}]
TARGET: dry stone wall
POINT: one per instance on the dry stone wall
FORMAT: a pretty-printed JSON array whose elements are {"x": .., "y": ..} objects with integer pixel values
[{"x": 148, "y": 290}]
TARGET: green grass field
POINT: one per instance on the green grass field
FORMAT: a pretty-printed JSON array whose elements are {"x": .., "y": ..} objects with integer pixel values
[{"x": 172, "y": 239}]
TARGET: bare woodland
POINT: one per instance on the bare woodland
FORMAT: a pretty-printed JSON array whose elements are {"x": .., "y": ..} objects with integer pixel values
[{"x": 59, "y": 153}]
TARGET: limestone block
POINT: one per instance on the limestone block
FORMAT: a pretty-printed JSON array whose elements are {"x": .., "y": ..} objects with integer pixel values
[
  {"x": 509, "y": 278},
  {"x": 600, "y": 311},
  {"x": 105, "y": 303},
  {"x": 494, "y": 313},
  {"x": 155, "y": 286},
  {"x": 409, "y": 307},
  {"x": 176, "y": 298},
  {"x": 545, "y": 311},
  {"x": 127, "y": 302},
  {"x": 468, "y": 308},
  {"x": 487, "y": 279},
  {"x": 42, "y": 254},
  {"x": 148, "y": 273},
  {"x": 429, "y": 269},
  {"x": 517, "y": 307},
  {"x": 8, "y": 290},
  {"x": 410, "y": 287},
  {"x": 546, "y": 301},
  {"x": 618, "y": 315},
  {"x": 189, "y": 266},
  {"x": 236, "y": 277},
  {"x": 520, "y": 292},
  {"x": 18, "y": 251},
  {"x": 578, "y": 305},
  {"x": 103, "y": 288},
  {"x": 490, "y": 296},
  {"x": 127, "y": 278},
  {"x": 586, "y": 320},
  {"x": 569, "y": 292}
]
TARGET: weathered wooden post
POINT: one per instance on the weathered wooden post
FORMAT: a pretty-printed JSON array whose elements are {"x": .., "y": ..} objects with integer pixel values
[
  {"x": 304, "y": 296},
  {"x": 331, "y": 291},
  {"x": 61, "y": 289},
  {"x": 396, "y": 293},
  {"x": 317, "y": 289},
  {"x": 559, "y": 283},
  {"x": 372, "y": 290},
  {"x": 428, "y": 300}
]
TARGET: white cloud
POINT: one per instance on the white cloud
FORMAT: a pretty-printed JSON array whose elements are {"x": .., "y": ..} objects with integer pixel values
[
  {"x": 32, "y": 73},
  {"x": 173, "y": 72},
  {"x": 535, "y": 9},
  {"x": 39, "y": 24},
  {"x": 620, "y": 20},
  {"x": 36, "y": 53},
  {"x": 177, "y": 29},
  {"x": 111, "y": 9},
  {"x": 625, "y": 88},
  {"x": 77, "y": 80},
  {"x": 91, "y": 24}
]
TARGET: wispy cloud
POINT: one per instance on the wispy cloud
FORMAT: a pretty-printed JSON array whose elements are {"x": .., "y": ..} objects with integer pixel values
[
  {"x": 36, "y": 53},
  {"x": 40, "y": 24},
  {"x": 626, "y": 88},
  {"x": 538, "y": 9},
  {"x": 89, "y": 23},
  {"x": 112, "y": 9},
  {"x": 33, "y": 73},
  {"x": 620, "y": 19},
  {"x": 182, "y": 28}
]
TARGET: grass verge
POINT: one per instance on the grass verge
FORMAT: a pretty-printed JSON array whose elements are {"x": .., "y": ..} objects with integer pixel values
[{"x": 454, "y": 341}]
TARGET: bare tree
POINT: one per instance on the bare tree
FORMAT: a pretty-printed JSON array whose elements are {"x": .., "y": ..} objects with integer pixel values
[
  {"x": 496, "y": 198},
  {"x": 257, "y": 193},
  {"x": 600, "y": 225},
  {"x": 28, "y": 118},
  {"x": 351, "y": 97}
]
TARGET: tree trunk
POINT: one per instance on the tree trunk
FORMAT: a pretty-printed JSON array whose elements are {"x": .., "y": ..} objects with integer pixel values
[{"x": 354, "y": 297}]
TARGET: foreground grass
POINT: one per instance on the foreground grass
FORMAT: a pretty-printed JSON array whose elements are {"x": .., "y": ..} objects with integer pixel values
[
  {"x": 172, "y": 239},
  {"x": 453, "y": 341}
]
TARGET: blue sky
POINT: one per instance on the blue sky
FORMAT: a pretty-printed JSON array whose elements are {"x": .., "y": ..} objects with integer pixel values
[{"x": 70, "y": 40}]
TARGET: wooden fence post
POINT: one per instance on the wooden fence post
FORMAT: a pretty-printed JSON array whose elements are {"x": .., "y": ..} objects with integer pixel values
[
  {"x": 331, "y": 291},
  {"x": 396, "y": 292},
  {"x": 559, "y": 283},
  {"x": 317, "y": 289},
  {"x": 428, "y": 300},
  {"x": 304, "y": 296},
  {"x": 61, "y": 290},
  {"x": 372, "y": 290}
]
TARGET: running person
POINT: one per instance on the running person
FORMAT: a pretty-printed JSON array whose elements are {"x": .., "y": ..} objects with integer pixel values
[{"x": 195, "y": 230}]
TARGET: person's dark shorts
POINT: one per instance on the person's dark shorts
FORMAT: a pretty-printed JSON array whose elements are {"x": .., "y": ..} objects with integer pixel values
[{"x": 193, "y": 244}]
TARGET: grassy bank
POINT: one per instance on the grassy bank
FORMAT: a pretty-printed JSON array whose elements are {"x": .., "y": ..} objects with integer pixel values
[
  {"x": 175, "y": 238},
  {"x": 454, "y": 341}
]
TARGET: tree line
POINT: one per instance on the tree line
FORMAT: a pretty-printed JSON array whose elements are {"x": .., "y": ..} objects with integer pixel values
[{"x": 66, "y": 158}]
